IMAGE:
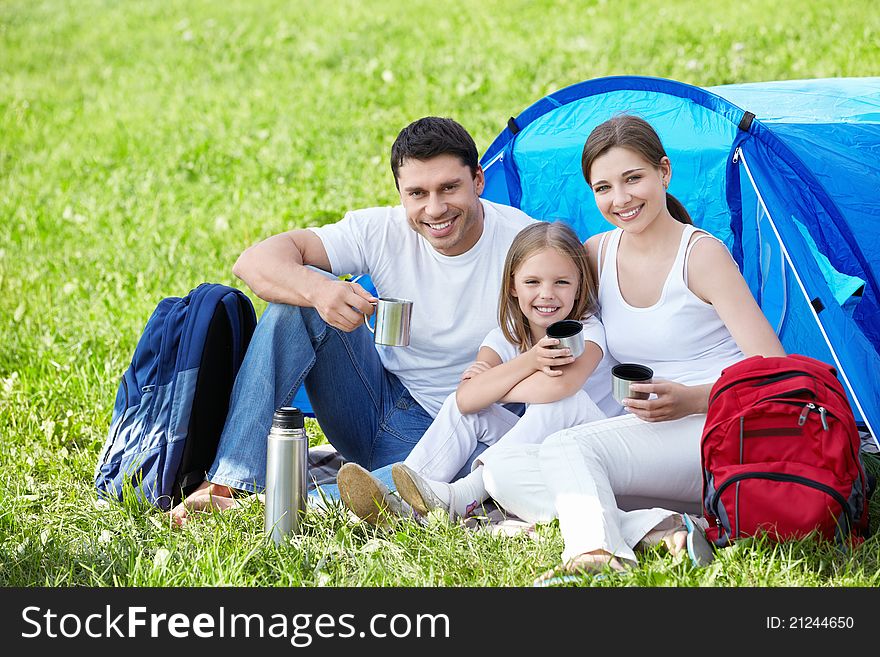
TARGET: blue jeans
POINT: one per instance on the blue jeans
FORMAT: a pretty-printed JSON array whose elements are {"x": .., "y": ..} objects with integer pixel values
[{"x": 365, "y": 411}]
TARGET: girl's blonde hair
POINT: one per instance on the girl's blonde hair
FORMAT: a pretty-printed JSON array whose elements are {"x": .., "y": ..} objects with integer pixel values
[{"x": 537, "y": 237}]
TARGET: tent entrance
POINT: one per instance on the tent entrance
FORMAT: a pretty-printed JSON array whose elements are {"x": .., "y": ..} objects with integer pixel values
[{"x": 778, "y": 286}]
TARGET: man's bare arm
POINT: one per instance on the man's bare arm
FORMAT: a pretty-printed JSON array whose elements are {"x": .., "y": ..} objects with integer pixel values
[{"x": 275, "y": 269}]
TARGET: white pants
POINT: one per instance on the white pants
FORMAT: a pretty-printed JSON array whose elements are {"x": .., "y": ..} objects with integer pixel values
[
  {"x": 580, "y": 476},
  {"x": 453, "y": 436}
]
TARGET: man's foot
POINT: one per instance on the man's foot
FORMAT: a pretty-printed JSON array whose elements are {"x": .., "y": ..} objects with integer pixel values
[
  {"x": 207, "y": 497},
  {"x": 417, "y": 491},
  {"x": 588, "y": 563},
  {"x": 367, "y": 497}
]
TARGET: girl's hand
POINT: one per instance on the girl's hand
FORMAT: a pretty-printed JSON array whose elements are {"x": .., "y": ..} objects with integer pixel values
[
  {"x": 547, "y": 356},
  {"x": 477, "y": 367},
  {"x": 673, "y": 400}
]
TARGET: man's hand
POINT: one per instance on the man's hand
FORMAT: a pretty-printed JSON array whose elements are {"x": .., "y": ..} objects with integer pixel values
[
  {"x": 673, "y": 401},
  {"x": 343, "y": 304}
]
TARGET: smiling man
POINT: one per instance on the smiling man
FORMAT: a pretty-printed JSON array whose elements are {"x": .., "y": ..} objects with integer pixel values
[{"x": 443, "y": 248}]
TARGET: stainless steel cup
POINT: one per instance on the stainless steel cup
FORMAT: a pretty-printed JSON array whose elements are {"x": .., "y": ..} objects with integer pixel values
[
  {"x": 624, "y": 374},
  {"x": 287, "y": 459},
  {"x": 570, "y": 334},
  {"x": 393, "y": 317}
]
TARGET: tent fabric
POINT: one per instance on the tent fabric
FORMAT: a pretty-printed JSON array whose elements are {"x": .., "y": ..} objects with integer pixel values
[{"x": 789, "y": 192}]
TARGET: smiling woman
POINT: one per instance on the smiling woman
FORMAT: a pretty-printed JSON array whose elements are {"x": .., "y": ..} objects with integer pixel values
[{"x": 660, "y": 279}]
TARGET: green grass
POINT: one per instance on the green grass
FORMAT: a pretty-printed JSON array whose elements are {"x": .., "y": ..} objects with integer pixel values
[{"x": 144, "y": 145}]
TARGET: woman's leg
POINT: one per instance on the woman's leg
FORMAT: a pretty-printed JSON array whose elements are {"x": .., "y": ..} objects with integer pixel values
[
  {"x": 514, "y": 478},
  {"x": 583, "y": 468},
  {"x": 588, "y": 466}
]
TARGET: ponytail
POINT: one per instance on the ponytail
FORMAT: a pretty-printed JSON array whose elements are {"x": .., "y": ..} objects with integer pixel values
[{"x": 677, "y": 210}]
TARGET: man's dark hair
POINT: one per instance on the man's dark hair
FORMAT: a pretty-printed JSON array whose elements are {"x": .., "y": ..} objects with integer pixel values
[{"x": 432, "y": 136}]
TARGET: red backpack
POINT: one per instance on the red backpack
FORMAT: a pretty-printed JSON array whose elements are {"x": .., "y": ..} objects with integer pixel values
[{"x": 780, "y": 454}]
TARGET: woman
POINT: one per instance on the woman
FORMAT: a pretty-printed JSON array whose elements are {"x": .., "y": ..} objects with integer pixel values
[{"x": 671, "y": 298}]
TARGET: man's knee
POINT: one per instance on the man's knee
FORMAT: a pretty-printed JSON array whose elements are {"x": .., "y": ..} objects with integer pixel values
[
  {"x": 287, "y": 317},
  {"x": 281, "y": 313}
]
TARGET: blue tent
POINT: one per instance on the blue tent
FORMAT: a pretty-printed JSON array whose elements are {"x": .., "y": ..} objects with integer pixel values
[{"x": 786, "y": 173}]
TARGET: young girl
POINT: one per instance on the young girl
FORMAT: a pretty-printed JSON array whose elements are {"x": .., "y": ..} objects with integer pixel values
[
  {"x": 546, "y": 278},
  {"x": 672, "y": 298}
]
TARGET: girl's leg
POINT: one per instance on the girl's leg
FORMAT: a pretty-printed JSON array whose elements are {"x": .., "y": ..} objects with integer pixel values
[
  {"x": 464, "y": 495},
  {"x": 452, "y": 437},
  {"x": 542, "y": 420}
]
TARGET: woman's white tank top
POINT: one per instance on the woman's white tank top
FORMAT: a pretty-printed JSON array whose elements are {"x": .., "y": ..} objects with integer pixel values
[{"x": 680, "y": 337}]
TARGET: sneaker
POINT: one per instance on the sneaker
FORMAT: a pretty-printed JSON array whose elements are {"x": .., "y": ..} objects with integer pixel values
[
  {"x": 416, "y": 491},
  {"x": 367, "y": 497}
]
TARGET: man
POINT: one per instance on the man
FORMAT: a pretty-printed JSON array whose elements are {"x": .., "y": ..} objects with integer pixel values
[{"x": 443, "y": 248}]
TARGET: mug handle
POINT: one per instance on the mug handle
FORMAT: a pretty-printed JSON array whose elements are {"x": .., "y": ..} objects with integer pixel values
[{"x": 367, "y": 318}]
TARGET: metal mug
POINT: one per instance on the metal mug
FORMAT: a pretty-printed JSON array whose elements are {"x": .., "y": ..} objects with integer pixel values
[
  {"x": 624, "y": 374},
  {"x": 393, "y": 317},
  {"x": 570, "y": 334}
]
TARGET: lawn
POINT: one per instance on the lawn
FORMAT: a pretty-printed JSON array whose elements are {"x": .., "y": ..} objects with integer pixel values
[{"x": 144, "y": 145}]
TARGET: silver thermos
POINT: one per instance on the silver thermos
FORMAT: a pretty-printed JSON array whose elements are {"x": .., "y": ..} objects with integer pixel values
[{"x": 287, "y": 459}]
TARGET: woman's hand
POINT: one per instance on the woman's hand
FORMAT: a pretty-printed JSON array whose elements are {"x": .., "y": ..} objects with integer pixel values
[
  {"x": 673, "y": 400},
  {"x": 477, "y": 367},
  {"x": 546, "y": 356}
]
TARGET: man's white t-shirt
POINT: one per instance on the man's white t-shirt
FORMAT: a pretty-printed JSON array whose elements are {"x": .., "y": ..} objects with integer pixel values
[
  {"x": 597, "y": 385},
  {"x": 455, "y": 298}
]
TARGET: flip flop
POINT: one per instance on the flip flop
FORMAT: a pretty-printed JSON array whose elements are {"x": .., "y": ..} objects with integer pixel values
[{"x": 698, "y": 547}]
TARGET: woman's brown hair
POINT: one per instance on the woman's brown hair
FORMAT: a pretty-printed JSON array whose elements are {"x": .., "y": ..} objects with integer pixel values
[{"x": 635, "y": 134}]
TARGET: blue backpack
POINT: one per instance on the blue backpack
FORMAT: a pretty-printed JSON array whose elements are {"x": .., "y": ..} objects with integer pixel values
[{"x": 172, "y": 400}]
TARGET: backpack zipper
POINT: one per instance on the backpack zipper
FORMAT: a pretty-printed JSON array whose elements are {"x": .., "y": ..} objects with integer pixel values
[
  {"x": 776, "y": 476},
  {"x": 767, "y": 381},
  {"x": 823, "y": 416},
  {"x": 810, "y": 406}
]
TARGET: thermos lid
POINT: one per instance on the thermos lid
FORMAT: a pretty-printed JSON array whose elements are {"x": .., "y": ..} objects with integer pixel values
[{"x": 288, "y": 417}]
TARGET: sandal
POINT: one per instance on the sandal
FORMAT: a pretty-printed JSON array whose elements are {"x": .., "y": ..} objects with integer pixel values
[{"x": 574, "y": 570}]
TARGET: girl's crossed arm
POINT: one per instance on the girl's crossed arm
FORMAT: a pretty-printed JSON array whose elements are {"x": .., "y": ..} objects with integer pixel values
[
  {"x": 541, "y": 388},
  {"x": 488, "y": 380},
  {"x": 528, "y": 378}
]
